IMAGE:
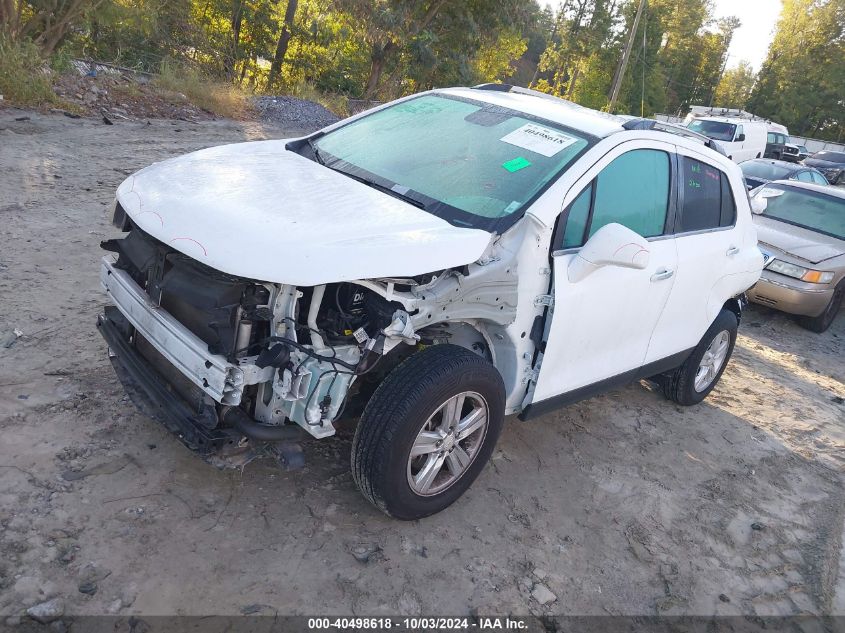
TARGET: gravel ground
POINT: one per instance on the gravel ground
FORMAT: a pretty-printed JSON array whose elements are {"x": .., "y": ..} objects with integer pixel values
[
  {"x": 292, "y": 112},
  {"x": 621, "y": 504}
]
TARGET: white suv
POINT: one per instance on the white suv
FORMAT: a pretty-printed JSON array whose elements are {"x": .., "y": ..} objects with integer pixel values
[{"x": 429, "y": 267}]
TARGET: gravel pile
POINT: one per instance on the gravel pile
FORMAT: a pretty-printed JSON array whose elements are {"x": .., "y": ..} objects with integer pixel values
[{"x": 293, "y": 112}]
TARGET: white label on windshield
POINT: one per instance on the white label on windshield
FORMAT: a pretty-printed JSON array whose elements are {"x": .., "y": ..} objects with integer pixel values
[{"x": 539, "y": 139}]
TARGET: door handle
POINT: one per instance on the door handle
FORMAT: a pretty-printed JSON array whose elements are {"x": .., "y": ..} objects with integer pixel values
[
  {"x": 662, "y": 274},
  {"x": 733, "y": 250}
]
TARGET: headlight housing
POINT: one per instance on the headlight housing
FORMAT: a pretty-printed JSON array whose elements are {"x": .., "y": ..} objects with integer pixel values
[{"x": 799, "y": 272}]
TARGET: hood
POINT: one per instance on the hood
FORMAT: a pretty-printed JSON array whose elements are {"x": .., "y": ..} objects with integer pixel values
[
  {"x": 823, "y": 164},
  {"x": 801, "y": 243},
  {"x": 258, "y": 211}
]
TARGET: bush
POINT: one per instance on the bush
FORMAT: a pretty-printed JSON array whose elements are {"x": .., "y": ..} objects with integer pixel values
[
  {"x": 25, "y": 79},
  {"x": 212, "y": 95}
]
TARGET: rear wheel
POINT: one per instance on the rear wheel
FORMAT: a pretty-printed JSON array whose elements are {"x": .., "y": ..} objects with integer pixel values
[
  {"x": 428, "y": 431},
  {"x": 696, "y": 378},
  {"x": 823, "y": 321}
]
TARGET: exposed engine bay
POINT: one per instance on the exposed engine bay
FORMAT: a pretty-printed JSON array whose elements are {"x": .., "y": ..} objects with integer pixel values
[{"x": 286, "y": 354}]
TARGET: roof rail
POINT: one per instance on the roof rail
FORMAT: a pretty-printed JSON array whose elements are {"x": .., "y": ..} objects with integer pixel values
[
  {"x": 671, "y": 128},
  {"x": 494, "y": 87},
  {"x": 536, "y": 93}
]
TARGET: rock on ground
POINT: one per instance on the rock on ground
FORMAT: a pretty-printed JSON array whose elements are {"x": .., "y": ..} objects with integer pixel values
[{"x": 293, "y": 112}]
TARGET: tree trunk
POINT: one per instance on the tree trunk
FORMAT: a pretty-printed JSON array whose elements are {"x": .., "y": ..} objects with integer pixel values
[
  {"x": 231, "y": 59},
  {"x": 376, "y": 68},
  {"x": 284, "y": 41}
]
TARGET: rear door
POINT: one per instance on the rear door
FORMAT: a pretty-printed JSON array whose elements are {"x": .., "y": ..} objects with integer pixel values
[
  {"x": 600, "y": 326},
  {"x": 707, "y": 243}
]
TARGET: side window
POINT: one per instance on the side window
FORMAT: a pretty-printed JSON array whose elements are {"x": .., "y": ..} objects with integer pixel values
[
  {"x": 818, "y": 178},
  {"x": 804, "y": 176},
  {"x": 576, "y": 222},
  {"x": 702, "y": 195},
  {"x": 770, "y": 138},
  {"x": 633, "y": 190},
  {"x": 727, "y": 217}
]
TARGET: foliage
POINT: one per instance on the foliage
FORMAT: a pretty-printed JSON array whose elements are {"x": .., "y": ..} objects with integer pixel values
[
  {"x": 381, "y": 49},
  {"x": 24, "y": 79},
  {"x": 180, "y": 82},
  {"x": 802, "y": 81},
  {"x": 734, "y": 88}
]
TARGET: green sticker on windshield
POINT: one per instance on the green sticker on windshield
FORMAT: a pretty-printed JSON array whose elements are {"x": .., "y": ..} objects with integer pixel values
[{"x": 516, "y": 164}]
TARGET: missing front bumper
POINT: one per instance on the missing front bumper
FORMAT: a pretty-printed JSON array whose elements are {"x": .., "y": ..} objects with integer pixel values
[{"x": 141, "y": 379}]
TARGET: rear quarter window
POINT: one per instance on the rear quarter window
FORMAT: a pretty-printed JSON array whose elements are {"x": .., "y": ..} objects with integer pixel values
[{"x": 707, "y": 198}]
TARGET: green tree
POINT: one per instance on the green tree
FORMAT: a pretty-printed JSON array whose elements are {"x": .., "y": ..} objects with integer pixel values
[
  {"x": 802, "y": 81},
  {"x": 735, "y": 87}
]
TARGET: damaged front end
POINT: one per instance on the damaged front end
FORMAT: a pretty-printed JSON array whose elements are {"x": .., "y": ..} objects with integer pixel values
[{"x": 223, "y": 358}]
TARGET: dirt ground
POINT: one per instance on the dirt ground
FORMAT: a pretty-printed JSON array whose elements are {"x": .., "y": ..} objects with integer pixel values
[{"x": 622, "y": 504}]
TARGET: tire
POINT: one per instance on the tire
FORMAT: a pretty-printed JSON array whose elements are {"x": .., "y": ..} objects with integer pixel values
[
  {"x": 823, "y": 321},
  {"x": 412, "y": 400},
  {"x": 680, "y": 385}
]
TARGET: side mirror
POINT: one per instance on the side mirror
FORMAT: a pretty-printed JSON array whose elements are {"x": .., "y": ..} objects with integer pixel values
[
  {"x": 740, "y": 138},
  {"x": 758, "y": 205},
  {"x": 612, "y": 245}
]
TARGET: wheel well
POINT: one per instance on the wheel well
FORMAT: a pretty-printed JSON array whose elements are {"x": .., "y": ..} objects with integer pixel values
[{"x": 734, "y": 306}]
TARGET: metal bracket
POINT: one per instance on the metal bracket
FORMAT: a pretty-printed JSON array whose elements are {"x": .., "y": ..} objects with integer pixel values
[{"x": 544, "y": 300}]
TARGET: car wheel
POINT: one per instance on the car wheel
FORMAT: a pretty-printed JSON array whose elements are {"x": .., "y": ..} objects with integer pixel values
[
  {"x": 823, "y": 321},
  {"x": 695, "y": 379},
  {"x": 428, "y": 431}
]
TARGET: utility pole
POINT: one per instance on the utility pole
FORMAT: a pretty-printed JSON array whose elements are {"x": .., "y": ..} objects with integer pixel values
[{"x": 623, "y": 64}]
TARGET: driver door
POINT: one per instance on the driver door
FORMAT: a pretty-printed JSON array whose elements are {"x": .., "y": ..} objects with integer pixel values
[{"x": 598, "y": 332}]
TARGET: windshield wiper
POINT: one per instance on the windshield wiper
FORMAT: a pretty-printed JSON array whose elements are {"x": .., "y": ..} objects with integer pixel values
[
  {"x": 388, "y": 190},
  {"x": 317, "y": 156}
]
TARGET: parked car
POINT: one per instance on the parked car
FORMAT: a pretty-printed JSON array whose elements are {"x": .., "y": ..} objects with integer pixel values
[
  {"x": 791, "y": 153},
  {"x": 803, "y": 152},
  {"x": 830, "y": 163},
  {"x": 776, "y": 140},
  {"x": 801, "y": 228},
  {"x": 762, "y": 170},
  {"x": 741, "y": 138},
  {"x": 430, "y": 265}
]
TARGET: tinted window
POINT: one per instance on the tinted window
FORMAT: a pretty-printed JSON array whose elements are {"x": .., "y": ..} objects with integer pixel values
[
  {"x": 576, "y": 224},
  {"x": 818, "y": 178},
  {"x": 714, "y": 129},
  {"x": 804, "y": 176},
  {"x": 702, "y": 196},
  {"x": 771, "y": 138},
  {"x": 633, "y": 190},
  {"x": 813, "y": 210},
  {"x": 467, "y": 162},
  {"x": 759, "y": 168},
  {"x": 834, "y": 157}
]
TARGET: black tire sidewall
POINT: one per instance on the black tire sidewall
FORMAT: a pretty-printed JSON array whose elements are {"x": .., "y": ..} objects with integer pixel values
[
  {"x": 686, "y": 393},
  {"x": 398, "y": 487},
  {"x": 389, "y": 479}
]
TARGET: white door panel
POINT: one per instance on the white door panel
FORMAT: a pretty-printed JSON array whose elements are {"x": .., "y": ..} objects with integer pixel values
[
  {"x": 601, "y": 325},
  {"x": 705, "y": 257}
]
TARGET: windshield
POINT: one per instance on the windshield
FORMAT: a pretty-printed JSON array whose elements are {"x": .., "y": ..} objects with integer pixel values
[
  {"x": 763, "y": 170},
  {"x": 714, "y": 129},
  {"x": 808, "y": 209},
  {"x": 833, "y": 157},
  {"x": 473, "y": 164}
]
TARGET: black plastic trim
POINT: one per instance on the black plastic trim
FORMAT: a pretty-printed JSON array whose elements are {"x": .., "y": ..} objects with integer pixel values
[
  {"x": 173, "y": 412},
  {"x": 536, "y": 409}
]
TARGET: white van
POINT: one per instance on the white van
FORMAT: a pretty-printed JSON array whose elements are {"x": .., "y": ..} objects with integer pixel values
[{"x": 742, "y": 139}]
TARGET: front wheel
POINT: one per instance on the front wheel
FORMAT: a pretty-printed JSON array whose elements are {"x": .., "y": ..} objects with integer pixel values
[
  {"x": 823, "y": 321},
  {"x": 696, "y": 378},
  {"x": 428, "y": 431}
]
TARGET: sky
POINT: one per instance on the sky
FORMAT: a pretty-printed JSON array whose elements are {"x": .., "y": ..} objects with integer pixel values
[{"x": 751, "y": 40}]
